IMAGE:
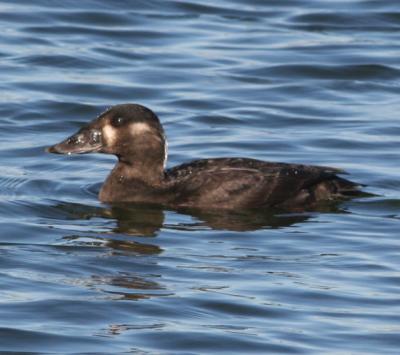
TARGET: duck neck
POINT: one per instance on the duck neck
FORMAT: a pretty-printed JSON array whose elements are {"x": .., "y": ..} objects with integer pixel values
[{"x": 151, "y": 173}]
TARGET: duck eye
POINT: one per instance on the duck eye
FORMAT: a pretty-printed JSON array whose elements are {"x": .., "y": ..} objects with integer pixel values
[{"x": 118, "y": 121}]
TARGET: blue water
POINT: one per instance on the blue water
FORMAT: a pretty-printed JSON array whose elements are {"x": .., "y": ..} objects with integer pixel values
[{"x": 307, "y": 81}]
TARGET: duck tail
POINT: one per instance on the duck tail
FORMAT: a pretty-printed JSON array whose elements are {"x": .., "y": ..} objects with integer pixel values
[
  {"x": 346, "y": 187},
  {"x": 338, "y": 187}
]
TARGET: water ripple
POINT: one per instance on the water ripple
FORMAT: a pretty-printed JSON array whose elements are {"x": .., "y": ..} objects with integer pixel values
[{"x": 299, "y": 81}]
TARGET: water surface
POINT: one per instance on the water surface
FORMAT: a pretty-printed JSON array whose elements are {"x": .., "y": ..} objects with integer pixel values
[{"x": 305, "y": 81}]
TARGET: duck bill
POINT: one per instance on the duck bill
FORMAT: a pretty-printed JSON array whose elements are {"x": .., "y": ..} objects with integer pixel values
[{"x": 86, "y": 140}]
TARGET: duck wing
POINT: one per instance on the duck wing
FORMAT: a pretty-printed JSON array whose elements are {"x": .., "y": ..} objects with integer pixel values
[{"x": 246, "y": 183}]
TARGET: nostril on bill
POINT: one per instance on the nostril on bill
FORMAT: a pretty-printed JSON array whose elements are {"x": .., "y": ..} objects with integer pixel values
[{"x": 77, "y": 139}]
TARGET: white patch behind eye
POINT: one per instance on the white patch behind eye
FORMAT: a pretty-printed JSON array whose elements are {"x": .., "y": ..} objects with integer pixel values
[
  {"x": 165, "y": 151},
  {"x": 110, "y": 134},
  {"x": 139, "y": 128}
]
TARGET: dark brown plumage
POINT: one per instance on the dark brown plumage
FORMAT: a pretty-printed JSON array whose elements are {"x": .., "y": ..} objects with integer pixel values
[{"x": 134, "y": 134}]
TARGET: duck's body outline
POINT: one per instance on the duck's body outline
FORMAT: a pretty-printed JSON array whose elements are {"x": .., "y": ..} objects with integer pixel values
[
  {"x": 228, "y": 183},
  {"x": 134, "y": 134}
]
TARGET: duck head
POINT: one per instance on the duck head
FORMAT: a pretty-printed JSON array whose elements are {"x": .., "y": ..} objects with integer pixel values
[{"x": 131, "y": 132}]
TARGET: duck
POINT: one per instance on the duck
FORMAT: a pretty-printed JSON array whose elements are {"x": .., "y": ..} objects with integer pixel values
[{"x": 134, "y": 134}]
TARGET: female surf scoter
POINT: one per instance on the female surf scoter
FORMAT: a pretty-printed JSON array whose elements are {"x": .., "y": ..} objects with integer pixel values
[{"x": 134, "y": 134}]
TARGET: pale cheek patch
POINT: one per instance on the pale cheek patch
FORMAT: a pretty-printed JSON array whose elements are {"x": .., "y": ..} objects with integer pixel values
[
  {"x": 139, "y": 128},
  {"x": 110, "y": 134}
]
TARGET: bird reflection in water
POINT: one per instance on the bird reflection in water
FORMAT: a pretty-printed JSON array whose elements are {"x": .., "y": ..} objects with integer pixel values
[
  {"x": 147, "y": 220},
  {"x": 134, "y": 226},
  {"x": 129, "y": 287}
]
